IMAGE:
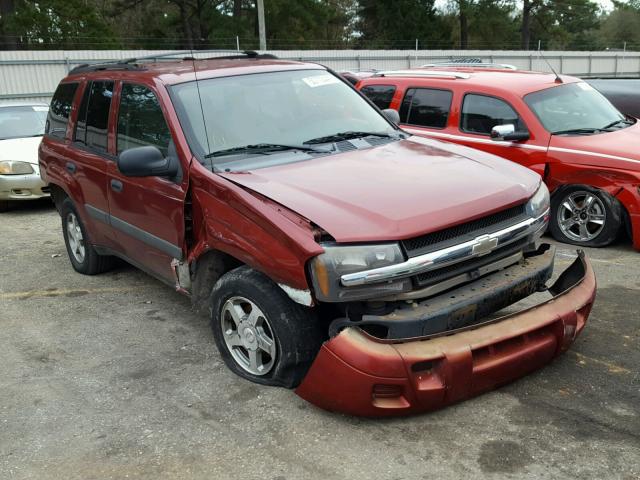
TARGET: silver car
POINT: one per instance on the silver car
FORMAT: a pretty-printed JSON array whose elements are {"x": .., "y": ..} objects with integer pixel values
[{"x": 21, "y": 129}]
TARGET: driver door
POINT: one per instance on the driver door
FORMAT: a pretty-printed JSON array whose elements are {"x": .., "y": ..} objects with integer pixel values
[
  {"x": 146, "y": 212},
  {"x": 480, "y": 113}
]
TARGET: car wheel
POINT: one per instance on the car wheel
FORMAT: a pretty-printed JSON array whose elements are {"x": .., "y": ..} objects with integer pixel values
[
  {"x": 586, "y": 216},
  {"x": 82, "y": 255},
  {"x": 262, "y": 335}
]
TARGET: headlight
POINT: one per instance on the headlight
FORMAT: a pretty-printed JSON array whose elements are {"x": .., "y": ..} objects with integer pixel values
[
  {"x": 10, "y": 167},
  {"x": 327, "y": 268},
  {"x": 538, "y": 204}
]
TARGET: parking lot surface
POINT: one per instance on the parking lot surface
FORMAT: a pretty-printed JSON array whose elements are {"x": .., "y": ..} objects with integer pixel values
[{"x": 114, "y": 376}]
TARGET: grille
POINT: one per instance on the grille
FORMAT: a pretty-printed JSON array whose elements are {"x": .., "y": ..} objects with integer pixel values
[
  {"x": 444, "y": 273},
  {"x": 464, "y": 232}
]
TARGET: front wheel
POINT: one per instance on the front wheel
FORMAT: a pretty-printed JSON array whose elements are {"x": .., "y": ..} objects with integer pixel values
[
  {"x": 586, "y": 216},
  {"x": 262, "y": 335}
]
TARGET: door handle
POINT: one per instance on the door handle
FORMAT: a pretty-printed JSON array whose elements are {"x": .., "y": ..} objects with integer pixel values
[
  {"x": 116, "y": 185},
  {"x": 71, "y": 167}
]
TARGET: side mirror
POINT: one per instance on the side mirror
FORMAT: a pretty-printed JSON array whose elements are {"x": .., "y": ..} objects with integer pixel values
[
  {"x": 147, "y": 161},
  {"x": 391, "y": 115},
  {"x": 508, "y": 133}
]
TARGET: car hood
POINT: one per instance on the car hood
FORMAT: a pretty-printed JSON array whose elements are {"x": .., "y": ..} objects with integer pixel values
[
  {"x": 20, "y": 149},
  {"x": 395, "y": 191},
  {"x": 617, "y": 149}
]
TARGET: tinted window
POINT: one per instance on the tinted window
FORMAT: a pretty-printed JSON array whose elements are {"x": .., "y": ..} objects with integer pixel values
[
  {"x": 140, "y": 120},
  {"x": 60, "y": 109},
  {"x": 93, "y": 115},
  {"x": 381, "y": 95},
  {"x": 481, "y": 113},
  {"x": 426, "y": 107}
]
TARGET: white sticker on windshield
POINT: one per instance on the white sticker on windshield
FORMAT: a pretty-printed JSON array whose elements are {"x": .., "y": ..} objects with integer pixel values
[
  {"x": 585, "y": 86},
  {"x": 40, "y": 109},
  {"x": 320, "y": 80}
]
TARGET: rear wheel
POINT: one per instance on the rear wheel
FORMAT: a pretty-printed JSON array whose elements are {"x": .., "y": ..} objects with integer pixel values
[
  {"x": 262, "y": 335},
  {"x": 586, "y": 216},
  {"x": 82, "y": 255}
]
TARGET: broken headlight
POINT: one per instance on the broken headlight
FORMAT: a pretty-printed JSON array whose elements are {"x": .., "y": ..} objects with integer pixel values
[{"x": 328, "y": 268}]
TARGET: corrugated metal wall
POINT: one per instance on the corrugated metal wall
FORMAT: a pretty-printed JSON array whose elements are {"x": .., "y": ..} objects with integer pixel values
[{"x": 33, "y": 75}]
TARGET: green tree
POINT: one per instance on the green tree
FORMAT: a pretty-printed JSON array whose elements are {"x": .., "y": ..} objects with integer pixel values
[
  {"x": 621, "y": 26},
  {"x": 398, "y": 23},
  {"x": 58, "y": 23}
]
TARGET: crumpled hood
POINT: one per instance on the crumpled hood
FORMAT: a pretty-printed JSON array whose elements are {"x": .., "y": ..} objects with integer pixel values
[
  {"x": 395, "y": 191},
  {"x": 617, "y": 149},
  {"x": 20, "y": 149}
]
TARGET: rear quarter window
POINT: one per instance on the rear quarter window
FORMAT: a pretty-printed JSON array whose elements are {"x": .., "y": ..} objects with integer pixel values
[
  {"x": 93, "y": 117},
  {"x": 381, "y": 95},
  {"x": 60, "y": 110}
]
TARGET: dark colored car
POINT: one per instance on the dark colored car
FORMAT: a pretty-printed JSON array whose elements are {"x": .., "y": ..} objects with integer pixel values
[
  {"x": 560, "y": 127},
  {"x": 333, "y": 252},
  {"x": 624, "y": 93}
]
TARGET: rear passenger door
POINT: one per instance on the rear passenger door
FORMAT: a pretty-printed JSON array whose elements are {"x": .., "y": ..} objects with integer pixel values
[
  {"x": 426, "y": 108},
  {"x": 147, "y": 212},
  {"x": 90, "y": 157}
]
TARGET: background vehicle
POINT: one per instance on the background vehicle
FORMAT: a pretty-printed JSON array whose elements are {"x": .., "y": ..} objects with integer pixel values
[
  {"x": 562, "y": 128},
  {"x": 624, "y": 93},
  {"x": 256, "y": 189},
  {"x": 21, "y": 129}
]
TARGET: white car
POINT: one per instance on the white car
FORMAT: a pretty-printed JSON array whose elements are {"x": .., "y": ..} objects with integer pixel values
[{"x": 21, "y": 129}]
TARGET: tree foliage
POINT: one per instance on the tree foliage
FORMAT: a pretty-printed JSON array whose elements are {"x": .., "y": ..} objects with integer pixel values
[{"x": 169, "y": 24}]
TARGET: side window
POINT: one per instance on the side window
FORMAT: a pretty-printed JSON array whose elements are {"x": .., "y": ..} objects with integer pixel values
[
  {"x": 140, "y": 120},
  {"x": 381, "y": 95},
  {"x": 481, "y": 113},
  {"x": 93, "y": 117},
  {"x": 426, "y": 107},
  {"x": 60, "y": 110}
]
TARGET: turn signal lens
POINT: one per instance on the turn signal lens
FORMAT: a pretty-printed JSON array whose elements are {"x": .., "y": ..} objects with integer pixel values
[{"x": 322, "y": 276}]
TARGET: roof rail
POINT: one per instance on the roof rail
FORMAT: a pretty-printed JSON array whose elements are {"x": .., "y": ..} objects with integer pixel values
[
  {"x": 132, "y": 63},
  {"x": 422, "y": 73},
  {"x": 471, "y": 64}
]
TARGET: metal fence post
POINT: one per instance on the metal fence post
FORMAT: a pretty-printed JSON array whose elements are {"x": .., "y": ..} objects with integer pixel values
[
  {"x": 615, "y": 73},
  {"x": 590, "y": 63},
  {"x": 358, "y": 62},
  {"x": 561, "y": 63},
  {"x": 530, "y": 61},
  {"x": 409, "y": 61}
]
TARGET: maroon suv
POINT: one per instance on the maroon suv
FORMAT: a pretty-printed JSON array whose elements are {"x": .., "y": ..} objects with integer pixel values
[{"x": 334, "y": 252}]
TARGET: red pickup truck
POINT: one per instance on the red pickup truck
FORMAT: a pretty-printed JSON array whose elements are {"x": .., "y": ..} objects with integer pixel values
[
  {"x": 333, "y": 252},
  {"x": 561, "y": 127}
]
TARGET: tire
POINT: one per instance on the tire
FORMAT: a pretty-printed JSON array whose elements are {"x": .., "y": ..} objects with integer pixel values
[
  {"x": 4, "y": 205},
  {"x": 294, "y": 330},
  {"x": 594, "y": 225},
  {"x": 82, "y": 255}
]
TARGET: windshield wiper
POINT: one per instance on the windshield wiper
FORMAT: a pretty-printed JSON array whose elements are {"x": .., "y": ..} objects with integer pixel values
[
  {"x": 613, "y": 124},
  {"x": 264, "y": 149},
  {"x": 578, "y": 131},
  {"x": 336, "y": 137}
]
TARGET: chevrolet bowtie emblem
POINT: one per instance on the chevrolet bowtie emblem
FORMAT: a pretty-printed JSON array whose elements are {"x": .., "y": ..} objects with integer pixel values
[{"x": 484, "y": 244}]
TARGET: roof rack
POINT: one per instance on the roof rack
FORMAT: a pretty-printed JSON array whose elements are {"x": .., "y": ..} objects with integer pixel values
[
  {"x": 471, "y": 64},
  {"x": 423, "y": 73},
  {"x": 132, "y": 63}
]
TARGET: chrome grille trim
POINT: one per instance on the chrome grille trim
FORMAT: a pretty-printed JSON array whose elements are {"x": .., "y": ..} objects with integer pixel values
[{"x": 477, "y": 247}]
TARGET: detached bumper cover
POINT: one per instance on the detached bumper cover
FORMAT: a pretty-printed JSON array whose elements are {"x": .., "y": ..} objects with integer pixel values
[
  {"x": 358, "y": 374},
  {"x": 22, "y": 187}
]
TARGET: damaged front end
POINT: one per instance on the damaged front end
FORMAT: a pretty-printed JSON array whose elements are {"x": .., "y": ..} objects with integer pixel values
[{"x": 425, "y": 354}]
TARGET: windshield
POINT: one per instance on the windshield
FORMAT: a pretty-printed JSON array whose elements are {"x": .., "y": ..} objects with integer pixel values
[
  {"x": 575, "y": 107},
  {"x": 299, "y": 107},
  {"x": 20, "y": 122}
]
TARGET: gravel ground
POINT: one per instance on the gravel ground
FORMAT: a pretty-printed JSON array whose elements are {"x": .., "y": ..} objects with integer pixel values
[{"x": 114, "y": 377}]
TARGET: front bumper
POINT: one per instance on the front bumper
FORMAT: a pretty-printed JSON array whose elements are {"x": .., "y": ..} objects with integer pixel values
[
  {"x": 22, "y": 187},
  {"x": 358, "y": 374}
]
